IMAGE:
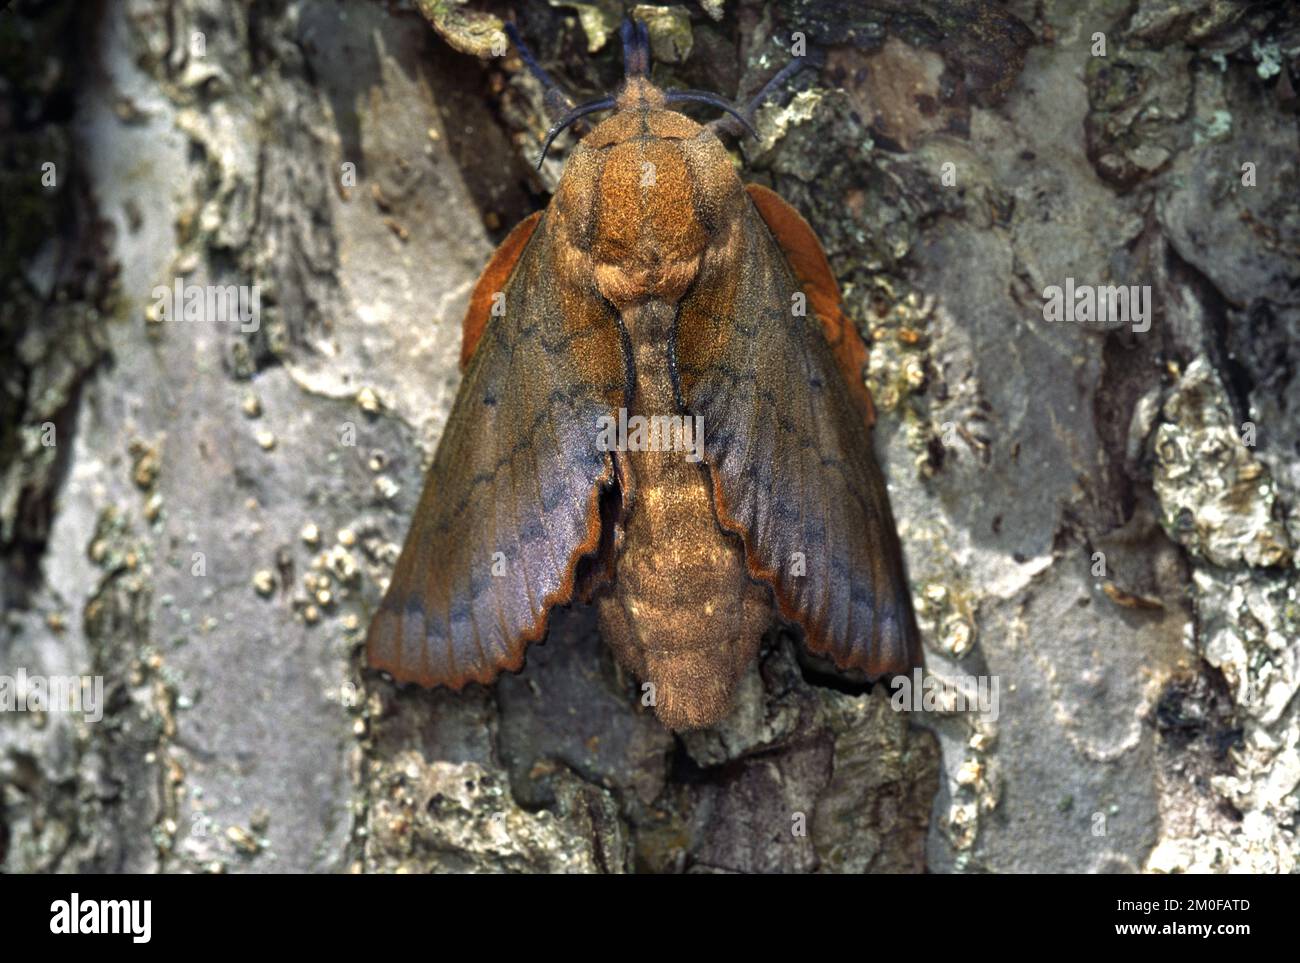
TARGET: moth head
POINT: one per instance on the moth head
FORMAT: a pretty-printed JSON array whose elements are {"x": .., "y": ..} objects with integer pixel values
[
  {"x": 636, "y": 48},
  {"x": 637, "y": 91}
]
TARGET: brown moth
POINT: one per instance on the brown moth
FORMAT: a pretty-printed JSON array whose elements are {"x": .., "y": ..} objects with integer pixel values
[{"x": 654, "y": 291}]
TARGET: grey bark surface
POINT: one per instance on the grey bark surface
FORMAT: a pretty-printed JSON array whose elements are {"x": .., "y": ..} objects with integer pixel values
[{"x": 1082, "y": 519}]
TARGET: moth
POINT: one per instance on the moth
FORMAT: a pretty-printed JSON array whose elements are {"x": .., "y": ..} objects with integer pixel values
[{"x": 653, "y": 287}]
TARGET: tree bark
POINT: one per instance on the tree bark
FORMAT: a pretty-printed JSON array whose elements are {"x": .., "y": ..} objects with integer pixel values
[{"x": 1098, "y": 517}]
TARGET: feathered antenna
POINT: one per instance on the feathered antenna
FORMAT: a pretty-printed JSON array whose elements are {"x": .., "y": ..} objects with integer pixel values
[
  {"x": 779, "y": 80},
  {"x": 713, "y": 100},
  {"x": 605, "y": 103},
  {"x": 558, "y": 103},
  {"x": 636, "y": 63}
]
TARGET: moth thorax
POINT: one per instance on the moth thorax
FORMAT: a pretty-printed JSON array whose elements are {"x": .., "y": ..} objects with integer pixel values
[{"x": 650, "y": 322}]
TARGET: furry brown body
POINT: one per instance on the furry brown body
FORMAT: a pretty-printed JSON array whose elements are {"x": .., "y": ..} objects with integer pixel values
[{"x": 656, "y": 282}]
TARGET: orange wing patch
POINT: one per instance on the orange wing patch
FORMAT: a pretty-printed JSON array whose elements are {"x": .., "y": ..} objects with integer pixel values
[
  {"x": 490, "y": 282},
  {"x": 804, "y": 252}
]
